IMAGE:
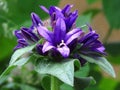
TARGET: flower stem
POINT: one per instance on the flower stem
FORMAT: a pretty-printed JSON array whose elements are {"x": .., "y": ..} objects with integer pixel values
[{"x": 54, "y": 83}]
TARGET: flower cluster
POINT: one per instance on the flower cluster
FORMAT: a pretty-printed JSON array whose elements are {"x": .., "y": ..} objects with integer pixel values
[{"x": 65, "y": 40}]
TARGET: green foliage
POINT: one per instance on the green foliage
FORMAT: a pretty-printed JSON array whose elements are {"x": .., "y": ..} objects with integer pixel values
[
  {"x": 9, "y": 69},
  {"x": 19, "y": 53},
  {"x": 83, "y": 82},
  {"x": 27, "y": 87},
  {"x": 79, "y": 83},
  {"x": 21, "y": 79},
  {"x": 62, "y": 70},
  {"x": 66, "y": 87},
  {"x": 46, "y": 81},
  {"x": 112, "y": 12},
  {"x": 102, "y": 63},
  {"x": 83, "y": 71},
  {"x": 17, "y": 59}
]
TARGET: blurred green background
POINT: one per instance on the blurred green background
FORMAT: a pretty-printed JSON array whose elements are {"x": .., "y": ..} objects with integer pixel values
[{"x": 103, "y": 15}]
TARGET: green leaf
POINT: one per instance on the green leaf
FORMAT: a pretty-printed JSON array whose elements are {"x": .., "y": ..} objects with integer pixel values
[
  {"x": 46, "y": 81},
  {"x": 3, "y": 79},
  {"x": 62, "y": 70},
  {"x": 19, "y": 62},
  {"x": 6, "y": 72},
  {"x": 102, "y": 62},
  {"x": 83, "y": 82},
  {"x": 83, "y": 71},
  {"x": 83, "y": 20},
  {"x": 66, "y": 87},
  {"x": 112, "y": 12},
  {"x": 18, "y": 53},
  {"x": 27, "y": 87},
  {"x": 80, "y": 83}
]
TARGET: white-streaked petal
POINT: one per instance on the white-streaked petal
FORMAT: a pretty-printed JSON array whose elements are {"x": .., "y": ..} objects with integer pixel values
[
  {"x": 47, "y": 46},
  {"x": 64, "y": 51},
  {"x": 70, "y": 37},
  {"x": 44, "y": 32}
]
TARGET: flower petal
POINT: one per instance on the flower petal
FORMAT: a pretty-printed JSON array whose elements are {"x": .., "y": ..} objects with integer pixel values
[
  {"x": 55, "y": 12},
  {"x": 36, "y": 20},
  {"x": 21, "y": 44},
  {"x": 60, "y": 30},
  {"x": 97, "y": 46},
  {"x": 47, "y": 46},
  {"x": 72, "y": 35},
  {"x": 66, "y": 9},
  {"x": 71, "y": 20},
  {"x": 44, "y": 32},
  {"x": 101, "y": 49},
  {"x": 44, "y": 9},
  {"x": 91, "y": 36},
  {"x": 18, "y": 34},
  {"x": 64, "y": 51},
  {"x": 28, "y": 34},
  {"x": 91, "y": 39}
]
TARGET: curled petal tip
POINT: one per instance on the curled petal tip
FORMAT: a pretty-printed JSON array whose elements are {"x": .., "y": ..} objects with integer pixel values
[{"x": 36, "y": 19}]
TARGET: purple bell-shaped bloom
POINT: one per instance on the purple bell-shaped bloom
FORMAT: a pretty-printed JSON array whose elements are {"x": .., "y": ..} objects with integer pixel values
[
  {"x": 21, "y": 41},
  {"x": 28, "y": 36},
  {"x": 90, "y": 46},
  {"x": 65, "y": 13},
  {"x": 58, "y": 39}
]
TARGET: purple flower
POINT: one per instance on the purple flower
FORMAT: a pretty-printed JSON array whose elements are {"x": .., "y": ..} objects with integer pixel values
[
  {"x": 90, "y": 46},
  {"x": 58, "y": 39},
  {"x": 55, "y": 13},
  {"x": 36, "y": 21},
  {"x": 63, "y": 40},
  {"x": 21, "y": 41},
  {"x": 28, "y": 36}
]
